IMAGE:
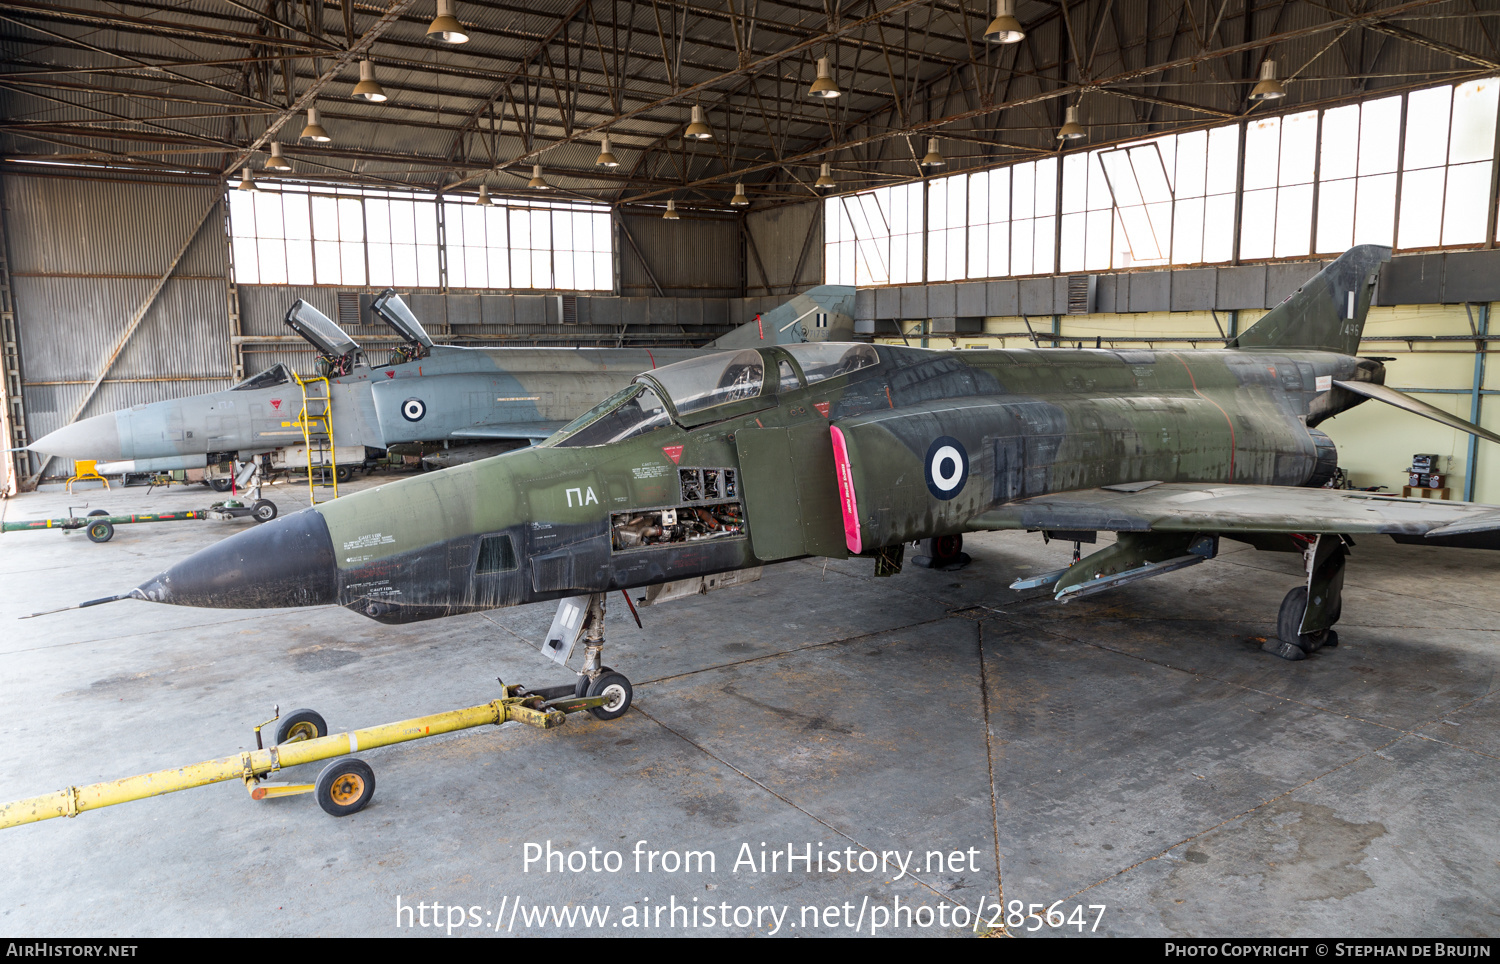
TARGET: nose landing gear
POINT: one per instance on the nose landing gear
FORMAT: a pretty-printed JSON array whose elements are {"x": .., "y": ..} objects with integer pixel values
[{"x": 582, "y": 617}]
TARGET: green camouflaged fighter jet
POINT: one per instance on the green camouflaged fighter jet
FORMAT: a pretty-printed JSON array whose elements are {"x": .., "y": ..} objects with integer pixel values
[{"x": 687, "y": 472}]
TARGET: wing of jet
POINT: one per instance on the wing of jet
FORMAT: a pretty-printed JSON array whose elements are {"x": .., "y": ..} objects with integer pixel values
[
  {"x": 1235, "y": 510},
  {"x": 534, "y": 431}
]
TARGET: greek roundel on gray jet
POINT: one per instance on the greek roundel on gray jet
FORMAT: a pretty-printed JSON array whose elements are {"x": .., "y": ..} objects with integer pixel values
[{"x": 413, "y": 409}]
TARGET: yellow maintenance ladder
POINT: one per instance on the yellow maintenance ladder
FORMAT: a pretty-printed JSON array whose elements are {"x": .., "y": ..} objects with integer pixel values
[{"x": 316, "y": 422}]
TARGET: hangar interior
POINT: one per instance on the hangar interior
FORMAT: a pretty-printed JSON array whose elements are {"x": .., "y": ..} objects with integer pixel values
[{"x": 1080, "y": 174}]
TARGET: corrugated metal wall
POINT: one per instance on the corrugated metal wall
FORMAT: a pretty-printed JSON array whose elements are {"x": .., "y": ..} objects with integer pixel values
[
  {"x": 780, "y": 236},
  {"x": 85, "y": 256},
  {"x": 689, "y": 256}
]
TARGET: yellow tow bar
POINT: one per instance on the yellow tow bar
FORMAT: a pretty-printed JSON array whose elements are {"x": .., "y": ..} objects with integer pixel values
[{"x": 342, "y": 788}]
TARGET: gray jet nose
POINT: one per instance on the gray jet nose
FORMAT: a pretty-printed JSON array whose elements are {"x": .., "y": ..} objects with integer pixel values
[
  {"x": 96, "y": 437},
  {"x": 287, "y": 562}
]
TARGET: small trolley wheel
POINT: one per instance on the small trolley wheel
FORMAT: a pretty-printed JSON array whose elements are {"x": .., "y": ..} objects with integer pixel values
[
  {"x": 343, "y": 473},
  {"x": 345, "y": 787},
  {"x": 101, "y": 532},
  {"x": 98, "y": 512},
  {"x": 264, "y": 510},
  {"x": 300, "y": 725},
  {"x": 617, "y": 688},
  {"x": 220, "y": 485}
]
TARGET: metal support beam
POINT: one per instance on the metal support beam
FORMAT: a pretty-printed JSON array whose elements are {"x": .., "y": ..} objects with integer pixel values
[
  {"x": 338, "y": 63},
  {"x": 1482, "y": 328},
  {"x": 12, "y": 408},
  {"x": 133, "y": 324},
  {"x": 630, "y": 239}
]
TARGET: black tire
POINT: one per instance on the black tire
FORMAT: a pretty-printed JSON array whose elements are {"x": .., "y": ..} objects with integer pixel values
[
  {"x": 101, "y": 532},
  {"x": 300, "y": 725},
  {"x": 264, "y": 510},
  {"x": 582, "y": 689},
  {"x": 944, "y": 550},
  {"x": 613, "y": 685},
  {"x": 343, "y": 473},
  {"x": 220, "y": 485},
  {"x": 345, "y": 786},
  {"x": 1289, "y": 620},
  {"x": 98, "y": 512}
]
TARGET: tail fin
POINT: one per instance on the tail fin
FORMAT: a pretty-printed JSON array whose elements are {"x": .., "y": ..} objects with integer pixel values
[
  {"x": 824, "y": 313},
  {"x": 1328, "y": 312}
]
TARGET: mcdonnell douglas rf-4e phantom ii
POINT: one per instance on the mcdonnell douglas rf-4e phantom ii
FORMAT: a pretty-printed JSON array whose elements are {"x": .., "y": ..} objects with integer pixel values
[
  {"x": 687, "y": 471},
  {"x": 448, "y": 403}
]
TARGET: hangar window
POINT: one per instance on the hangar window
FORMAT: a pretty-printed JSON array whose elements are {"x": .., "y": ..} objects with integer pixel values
[
  {"x": 295, "y": 234},
  {"x": 496, "y": 554},
  {"x": 1357, "y": 174},
  {"x": 874, "y": 238},
  {"x": 1308, "y": 182},
  {"x": 1450, "y": 141},
  {"x": 1280, "y": 157}
]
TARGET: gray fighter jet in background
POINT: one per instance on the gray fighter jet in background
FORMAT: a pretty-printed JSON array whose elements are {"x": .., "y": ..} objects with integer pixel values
[{"x": 444, "y": 403}]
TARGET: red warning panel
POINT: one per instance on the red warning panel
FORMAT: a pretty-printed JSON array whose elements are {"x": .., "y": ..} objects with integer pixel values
[
  {"x": 673, "y": 452},
  {"x": 822, "y": 408}
]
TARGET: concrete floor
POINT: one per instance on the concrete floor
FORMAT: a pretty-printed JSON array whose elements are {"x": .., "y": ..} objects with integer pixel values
[{"x": 1134, "y": 750}]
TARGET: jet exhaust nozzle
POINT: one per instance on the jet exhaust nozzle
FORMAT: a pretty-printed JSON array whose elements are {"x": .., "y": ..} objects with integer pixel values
[{"x": 285, "y": 563}]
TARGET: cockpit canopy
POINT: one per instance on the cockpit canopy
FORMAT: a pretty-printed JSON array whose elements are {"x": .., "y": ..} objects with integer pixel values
[
  {"x": 277, "y": 374},
  {"x": 699, "y": 385},
  {"x": 827, "y": 359}
]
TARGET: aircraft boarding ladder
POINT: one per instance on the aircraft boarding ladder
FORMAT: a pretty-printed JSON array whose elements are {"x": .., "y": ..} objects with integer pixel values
[{"x": 316, "y": 422}]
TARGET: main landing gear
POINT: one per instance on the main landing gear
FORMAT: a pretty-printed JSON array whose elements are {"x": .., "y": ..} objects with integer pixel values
[
  {"x": 943, "y": 553},
  {"x": 1305, "y": 623},
  {"x": 582, "y": 617}
]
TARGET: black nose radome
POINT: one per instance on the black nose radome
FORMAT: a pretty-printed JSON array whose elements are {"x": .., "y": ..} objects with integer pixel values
[{"x": 288, "y": 562}]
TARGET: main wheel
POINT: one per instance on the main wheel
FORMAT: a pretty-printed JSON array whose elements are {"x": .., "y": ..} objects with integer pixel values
[
  {"x": 345, "y": 787},
  {"x": 1289, "y": 621},
  {"x": 944, "y": 550},
  {"x": 220, "y": 485},
  {"x": 617, "y": 688},
  {"x": 264, "y": 510},
  {"x": 101, "y": 532},
  {"x": 300, "y": 725}
]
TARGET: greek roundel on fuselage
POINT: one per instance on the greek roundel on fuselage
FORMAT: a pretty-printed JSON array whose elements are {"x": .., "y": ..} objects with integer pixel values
[
  {"x": 413, "y": 409},
  {"x": 947, "y": 467}
]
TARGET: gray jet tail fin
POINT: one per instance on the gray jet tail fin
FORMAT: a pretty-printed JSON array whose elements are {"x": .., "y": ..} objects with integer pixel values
[
  {"x": 824, "y": 313},
  {"x": 1328, "y": 312}
]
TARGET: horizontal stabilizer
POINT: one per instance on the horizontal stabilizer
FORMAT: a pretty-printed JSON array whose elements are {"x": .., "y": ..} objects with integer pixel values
[{"x": 1383, "y": 393}]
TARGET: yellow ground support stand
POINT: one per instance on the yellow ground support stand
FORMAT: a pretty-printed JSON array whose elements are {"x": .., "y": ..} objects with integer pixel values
[
  {"x": 85, "y": 471},
  {"x": 315, "y": 420},
  {"x": 343, "y": 787}
]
